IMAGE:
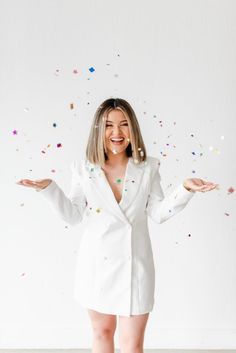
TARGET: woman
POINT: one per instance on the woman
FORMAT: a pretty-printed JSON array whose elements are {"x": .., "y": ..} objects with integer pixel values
[{"x": 112, "y": 192}]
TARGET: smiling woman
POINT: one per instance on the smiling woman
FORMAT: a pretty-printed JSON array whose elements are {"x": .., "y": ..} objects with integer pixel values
[
  {"x": 115, "y": 119},
  {"x": 113, "y": 192}
]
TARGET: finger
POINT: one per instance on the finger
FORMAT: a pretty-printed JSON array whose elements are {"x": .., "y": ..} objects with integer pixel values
[{"x": 27, "y": 183}]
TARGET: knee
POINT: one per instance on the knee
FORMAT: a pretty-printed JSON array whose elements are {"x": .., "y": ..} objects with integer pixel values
[{"x": 103, "y": 333}]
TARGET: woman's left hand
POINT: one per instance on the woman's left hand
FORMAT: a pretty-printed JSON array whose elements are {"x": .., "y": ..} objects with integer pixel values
[{"x": 199, "y": 185}]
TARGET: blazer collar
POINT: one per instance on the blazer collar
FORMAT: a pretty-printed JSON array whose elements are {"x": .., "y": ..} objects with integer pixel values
[{"x": 131, "y": 185}]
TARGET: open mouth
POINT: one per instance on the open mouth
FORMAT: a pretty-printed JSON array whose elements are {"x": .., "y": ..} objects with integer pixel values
[{"x": 117, "y": 141}]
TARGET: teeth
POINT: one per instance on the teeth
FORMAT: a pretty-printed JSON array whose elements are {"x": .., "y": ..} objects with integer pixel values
[{"x": 117, "y": 139}]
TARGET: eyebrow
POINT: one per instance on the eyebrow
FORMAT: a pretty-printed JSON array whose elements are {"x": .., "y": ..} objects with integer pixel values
[{"x": 109, "y": 121}]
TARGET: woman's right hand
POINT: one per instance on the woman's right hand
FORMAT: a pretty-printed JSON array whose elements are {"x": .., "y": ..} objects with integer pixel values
[{"x": 37, "y": 184}]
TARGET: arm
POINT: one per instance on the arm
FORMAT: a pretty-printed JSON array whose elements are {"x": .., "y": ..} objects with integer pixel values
[
  {"x": 70, "y": 208},
  {"x": 161, "y": 207}
]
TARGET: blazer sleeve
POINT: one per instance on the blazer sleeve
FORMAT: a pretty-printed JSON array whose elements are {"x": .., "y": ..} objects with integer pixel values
[
  {"x": 161, "y": 207},
  {"x": 69, "y": 208}
]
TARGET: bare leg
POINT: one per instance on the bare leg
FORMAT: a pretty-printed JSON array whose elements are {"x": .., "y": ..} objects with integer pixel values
[
  {"x": 131, "y": 333},
  {"x": 104, "y": 327}
]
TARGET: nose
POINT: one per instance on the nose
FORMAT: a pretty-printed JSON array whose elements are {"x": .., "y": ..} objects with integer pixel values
[{"x": 115, "y": 130}]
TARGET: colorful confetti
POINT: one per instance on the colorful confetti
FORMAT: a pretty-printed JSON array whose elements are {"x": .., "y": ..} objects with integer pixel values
[{"x": 231, "y": 190}]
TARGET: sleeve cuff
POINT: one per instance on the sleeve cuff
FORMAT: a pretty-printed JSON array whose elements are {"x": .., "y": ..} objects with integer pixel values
[
  {"x": 183, "y": 192},
  {"x": 46, "y": 192}
]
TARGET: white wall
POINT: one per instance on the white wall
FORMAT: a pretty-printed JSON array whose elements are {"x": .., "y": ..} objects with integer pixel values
[{"x": 172, "y": 59}]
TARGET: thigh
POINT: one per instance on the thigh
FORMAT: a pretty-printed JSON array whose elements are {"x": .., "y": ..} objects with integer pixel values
[
  {"x": 131, "y": 329},
  {"x": 102, "y": 322}
]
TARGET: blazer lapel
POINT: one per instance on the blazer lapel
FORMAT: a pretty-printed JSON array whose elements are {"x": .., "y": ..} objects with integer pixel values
[{"x": 131, "y": 185}]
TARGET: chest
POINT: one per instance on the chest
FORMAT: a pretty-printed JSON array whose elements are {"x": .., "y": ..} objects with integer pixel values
[{"x": 115, "y": 179}]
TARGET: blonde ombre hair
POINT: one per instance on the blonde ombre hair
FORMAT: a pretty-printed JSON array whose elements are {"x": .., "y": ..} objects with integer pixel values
[{"x": 96, "y": 147}]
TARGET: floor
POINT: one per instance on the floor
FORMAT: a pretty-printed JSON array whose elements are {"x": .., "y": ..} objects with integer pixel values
[{"x": 117, "y": 351}]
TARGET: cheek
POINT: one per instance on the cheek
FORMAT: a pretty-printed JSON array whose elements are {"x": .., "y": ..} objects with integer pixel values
[{"x": 107, "y": 134}]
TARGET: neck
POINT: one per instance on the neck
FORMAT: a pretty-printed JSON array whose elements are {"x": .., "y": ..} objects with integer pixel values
[{"x": 116, "y": 159}]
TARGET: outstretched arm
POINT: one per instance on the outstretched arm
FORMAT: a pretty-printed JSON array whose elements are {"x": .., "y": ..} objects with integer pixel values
[
  {"x": 70, "y": 208},
  {"x": 161, "y": 207}
]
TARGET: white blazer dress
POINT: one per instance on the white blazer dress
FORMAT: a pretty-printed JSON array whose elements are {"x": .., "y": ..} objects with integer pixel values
[{"x": 115, "y": 271}]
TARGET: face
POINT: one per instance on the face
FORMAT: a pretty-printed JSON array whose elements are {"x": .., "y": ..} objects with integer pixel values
[{"x": 117, "y": 128}]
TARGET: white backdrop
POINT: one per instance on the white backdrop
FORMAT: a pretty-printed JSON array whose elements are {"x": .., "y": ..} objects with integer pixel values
[{"x": 174, "y": 61}]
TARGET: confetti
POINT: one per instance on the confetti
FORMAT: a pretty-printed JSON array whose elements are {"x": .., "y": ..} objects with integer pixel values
[
  {"x": 71, "y": 105},
  {"x": 231, "y": 190},
  {"x": 91, "y": 69},
  {"x": 54, "y": 125},
  {"x": 227, "y": 214},
  {"x": 14, "y": 132},
  {"x": 98, "y": 210},
  {"x": 59, "y": 145},
  {"x": 75, "y": 71},
  {"x": 118, "y": 180}
]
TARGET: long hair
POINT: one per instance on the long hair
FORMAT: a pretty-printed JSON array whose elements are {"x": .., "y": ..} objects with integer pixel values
[{"x": 96, "y": 148}]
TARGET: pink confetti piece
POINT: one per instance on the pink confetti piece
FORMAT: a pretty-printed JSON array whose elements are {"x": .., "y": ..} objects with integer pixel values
[
  {"x": 231, "y": 190},
  {"x": 14, "y": 132},
  {"x": 59, "y": 145}
]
